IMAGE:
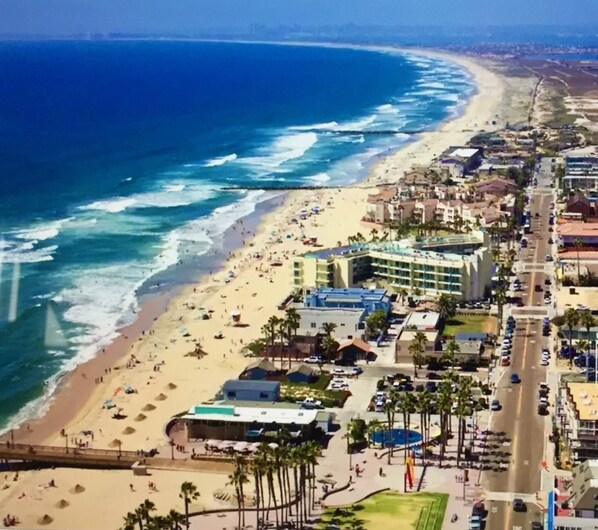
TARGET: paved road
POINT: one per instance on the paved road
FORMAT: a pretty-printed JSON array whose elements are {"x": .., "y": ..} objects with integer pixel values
[{"x": 519, "y": 418}]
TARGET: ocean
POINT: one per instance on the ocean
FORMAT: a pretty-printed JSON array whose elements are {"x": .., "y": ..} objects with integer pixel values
[{"x": 114, "y": 156}]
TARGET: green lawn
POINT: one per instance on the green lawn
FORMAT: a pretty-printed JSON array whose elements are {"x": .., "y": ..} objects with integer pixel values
[
  {"x": 470, "y": 324},
  {"x": 298, "y": 391},
  {"x": 416, "y": 511}
]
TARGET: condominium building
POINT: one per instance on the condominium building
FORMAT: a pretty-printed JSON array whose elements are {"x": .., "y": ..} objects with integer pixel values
[
  {"x": 581, "y": 169},
  {"x": 577, "y": 407},
  {"x": 460, "y": 265}
]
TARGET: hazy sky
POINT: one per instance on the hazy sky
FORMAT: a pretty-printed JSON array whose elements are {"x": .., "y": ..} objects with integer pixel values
[{"x": 68, "y": 16}]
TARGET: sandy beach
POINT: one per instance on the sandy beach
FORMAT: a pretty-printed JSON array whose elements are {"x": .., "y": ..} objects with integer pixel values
[{"x": 152, "y": 355}]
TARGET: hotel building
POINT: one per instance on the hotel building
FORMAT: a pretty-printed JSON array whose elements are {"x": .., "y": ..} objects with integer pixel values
[{"x": 460, "y": 265}]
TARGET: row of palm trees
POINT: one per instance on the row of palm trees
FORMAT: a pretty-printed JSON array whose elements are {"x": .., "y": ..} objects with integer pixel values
[
  {"x": 143, "y": 519},
  {"x": 283, "y": 482},
  {"x": 454, "y": 398},
  {"x": 283, "y": 330}
]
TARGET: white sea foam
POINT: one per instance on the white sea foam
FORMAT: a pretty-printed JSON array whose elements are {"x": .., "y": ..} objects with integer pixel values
[
  {"x": 173, "y": 188},
  {"x": 282, "y": 150},
  {"x": 327, "y": 126},
  {"x": 26, "y": 253},
  {"x": 319, "y": 178},
  {"x": 221, "y": 160},
  {"x": 432, "y": 84},
  {"x": 41, "y": 232},
  {"x": 170, "y": 196}
]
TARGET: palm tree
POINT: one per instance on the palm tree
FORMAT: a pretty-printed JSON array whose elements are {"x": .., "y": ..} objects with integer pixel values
[
  {"x": 374, "y": 235},
  {"x": 175, "y": 520},
  {"x": 329, "y": 342},
  {"x": 445, "y": 403},
  {"x": 373, "y": 427},
  {"x": 571, "y": 319},
  {"x": 131, "y": 519},
  {"x": 446, "y": 306},
  {"x": 406, "y": 406},
  {"x": 402, "y": 293},
  {"x": 281, "y": 332},
  {"x": 500, "y": 296},
  {"x": 578, "y": 243},
  {"x": 390, "y": 409},
  {"x": 269, "y": 331},
  {"x": 587, "y": 320},
  {"x": 259, "y": 470},
  {"x": 292, "y": 320},
  {"x": 188, "y": 493},
  {"x": 237, "y": 479},
  {"x": 450, "y": 352},
  {"x": 416, "y": 350},
  {"x": 423, "y": 406},
  {"x": 145, "y": 509}
]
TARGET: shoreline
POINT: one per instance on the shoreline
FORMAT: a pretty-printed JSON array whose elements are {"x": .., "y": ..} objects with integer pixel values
[{"x": 70, "y": 402}]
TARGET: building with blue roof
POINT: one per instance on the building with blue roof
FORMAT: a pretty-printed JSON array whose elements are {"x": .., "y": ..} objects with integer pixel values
[{"x": 350, "y": 298}]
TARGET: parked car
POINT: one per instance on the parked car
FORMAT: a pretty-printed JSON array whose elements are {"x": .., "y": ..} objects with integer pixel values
[
  {"x": 337, "y": 371},
  {"x": 548, "y": 257},
  {"x": 519, "y": 505},
  {"x": 314, "y": 359},
  {"x": 356, "y": 370},
  {"x": 495, "y": 404},
  {"x": 433, "y": 376},
  {"x": 515, "y": 379}
]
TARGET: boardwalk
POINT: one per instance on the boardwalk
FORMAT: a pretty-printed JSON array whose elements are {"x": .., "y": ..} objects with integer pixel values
[{"x": 106, "y": 458}]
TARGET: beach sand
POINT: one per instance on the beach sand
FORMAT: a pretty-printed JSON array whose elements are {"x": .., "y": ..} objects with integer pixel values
[{"x": 155, "y": 351}]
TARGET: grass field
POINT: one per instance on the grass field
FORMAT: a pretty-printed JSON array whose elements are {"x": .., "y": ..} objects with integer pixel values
[
  {"x": 470, "y": 324},
  {"x": 416, "y": 511}
]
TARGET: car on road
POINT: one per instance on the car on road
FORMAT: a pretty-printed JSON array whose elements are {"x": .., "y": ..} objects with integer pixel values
[
  {"x": 337, "y": 371},
  {"x": 495, "y": 404},
  {"x": 475, "y": 525},
  {"x": 433, "y": 376},
  {"x": 519, "y": 505},
  {"x": 538, "y": 288},
  {"x": 505, "y": 361},
  {"x": 515, "y": 379}
]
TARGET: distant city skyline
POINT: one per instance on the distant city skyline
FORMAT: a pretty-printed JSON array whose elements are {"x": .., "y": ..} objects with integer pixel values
[{"x": 61, "y": 17}]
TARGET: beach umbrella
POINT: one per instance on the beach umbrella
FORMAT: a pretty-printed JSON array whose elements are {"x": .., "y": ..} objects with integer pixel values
[
  {"x": 161, "y": 397},
  {"x": 140, "y": 417},
  {"x": 170, "y": 386},
  {"x": 62, "y": 504},
  {"x": 128, "y": 430},
  {"x": 273, "y": 445},
  {"x": 77, "y": 489},
  {"x": 149, "y": 407},
  {"x": 115, "y": 443},
  {"x": 212, "y": 443},
  {"x": 45, "y": 519}
]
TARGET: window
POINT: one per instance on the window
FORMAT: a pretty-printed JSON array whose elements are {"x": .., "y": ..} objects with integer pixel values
[
  {"x": 264, "y": 395},
  {"x": 312, "y": 325},
  {"x": 232, "y": 394}
]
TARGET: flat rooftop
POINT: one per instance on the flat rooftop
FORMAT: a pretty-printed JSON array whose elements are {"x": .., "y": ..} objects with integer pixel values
[
  {"x": 349, "y": 294},
  {"x": 585, "y": 397},
  {"x": 229, "y": 413},
  {"x": 412, "y": 247},
  {"x": 578, "y": 229}
]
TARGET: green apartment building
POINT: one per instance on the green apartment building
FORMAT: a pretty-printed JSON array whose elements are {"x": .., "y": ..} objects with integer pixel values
[{"x": 460, "y": 265}]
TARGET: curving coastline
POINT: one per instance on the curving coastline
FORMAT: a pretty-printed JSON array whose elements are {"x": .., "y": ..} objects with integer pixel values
[{"x": 255, "y": 290}]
